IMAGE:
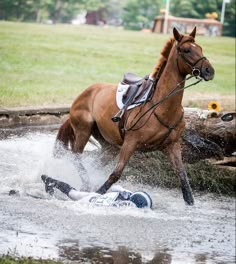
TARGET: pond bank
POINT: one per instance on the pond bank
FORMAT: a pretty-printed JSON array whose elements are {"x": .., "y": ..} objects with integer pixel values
[{"x": 29, "y": 116}]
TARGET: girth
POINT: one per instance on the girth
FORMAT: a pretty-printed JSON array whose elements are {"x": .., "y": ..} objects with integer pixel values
[{"x": 170, "y": 128}]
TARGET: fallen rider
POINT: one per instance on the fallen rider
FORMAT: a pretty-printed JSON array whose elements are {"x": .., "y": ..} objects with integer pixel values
[{"x": 116, "y": 197}]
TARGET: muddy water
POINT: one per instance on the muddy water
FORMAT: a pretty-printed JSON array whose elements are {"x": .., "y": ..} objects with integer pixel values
[{"x": 34, "y": 224}]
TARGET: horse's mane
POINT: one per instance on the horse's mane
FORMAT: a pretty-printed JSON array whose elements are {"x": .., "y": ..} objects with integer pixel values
[{"x": 163, "y": 58}]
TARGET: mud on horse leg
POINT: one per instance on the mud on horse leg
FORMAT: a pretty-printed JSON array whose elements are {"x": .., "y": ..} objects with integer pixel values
[
  {"x": 174, "y": 153},
  {"x": 126, "y": 152}
]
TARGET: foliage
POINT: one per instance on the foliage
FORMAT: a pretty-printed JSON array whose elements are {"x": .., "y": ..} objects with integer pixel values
[
  {"x": 140, "y": 14},
  {"x": 23, "y": 260},
  {"x": 229, "y": 28},
  {"x": 195, "y": 8},
  {"x": 55, "y": 10},
  {"x": 135, "y": 14},
  {"x": 199, "y": 9}
]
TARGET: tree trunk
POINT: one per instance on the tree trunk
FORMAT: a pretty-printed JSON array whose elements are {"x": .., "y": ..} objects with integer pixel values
[{"x": 216, "y": 127}]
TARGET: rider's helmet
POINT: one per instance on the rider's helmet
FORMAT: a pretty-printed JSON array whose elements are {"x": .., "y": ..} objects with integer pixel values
[{"x": 141, "y": 199}]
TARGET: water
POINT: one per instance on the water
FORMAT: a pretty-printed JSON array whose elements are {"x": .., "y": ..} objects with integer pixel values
[{"x": 34, "y": 224}]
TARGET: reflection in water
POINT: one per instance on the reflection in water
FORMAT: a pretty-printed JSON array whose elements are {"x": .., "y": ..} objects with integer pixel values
[
  {"x": 161, "y": 257},
  {"x": 70, "y": 250},
  {"x": 99, "y": 254},
  {"x": 200, "y": 259}
]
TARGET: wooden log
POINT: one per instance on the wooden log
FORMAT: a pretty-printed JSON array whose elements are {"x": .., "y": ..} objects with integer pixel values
[
  {"x": 216, "y": 127},
  {"x": 226, "y": 162}
]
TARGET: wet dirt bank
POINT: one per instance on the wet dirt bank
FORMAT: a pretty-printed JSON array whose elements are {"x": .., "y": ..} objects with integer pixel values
[{"x": 32, "y": 116}]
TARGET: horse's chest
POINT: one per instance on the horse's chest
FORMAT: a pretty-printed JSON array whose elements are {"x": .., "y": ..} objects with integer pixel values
[{"x": 159, "y": 140}]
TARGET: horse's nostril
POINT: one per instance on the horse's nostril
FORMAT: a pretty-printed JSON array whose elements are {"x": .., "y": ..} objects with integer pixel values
[{"x": 208, "y": 70}]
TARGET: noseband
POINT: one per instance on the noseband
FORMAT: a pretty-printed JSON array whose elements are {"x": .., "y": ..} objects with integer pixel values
[{"x": 196, "y": 71}]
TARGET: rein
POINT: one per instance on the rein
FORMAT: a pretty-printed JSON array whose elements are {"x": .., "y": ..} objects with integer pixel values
[{"x": 155, "y": 105}]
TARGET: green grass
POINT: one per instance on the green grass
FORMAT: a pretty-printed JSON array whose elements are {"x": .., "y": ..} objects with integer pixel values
[
  {"x": 52, "y": 64},
  {"x": 24, "y": 260}
]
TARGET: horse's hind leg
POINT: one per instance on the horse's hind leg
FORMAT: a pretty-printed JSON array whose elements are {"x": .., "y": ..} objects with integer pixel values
[
  {"x": 82, "y": 130},
  {"x": 174, "y": 153}
]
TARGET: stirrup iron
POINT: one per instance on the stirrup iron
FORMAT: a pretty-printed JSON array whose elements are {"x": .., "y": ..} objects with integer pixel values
[{"x": 117, "y": 117}]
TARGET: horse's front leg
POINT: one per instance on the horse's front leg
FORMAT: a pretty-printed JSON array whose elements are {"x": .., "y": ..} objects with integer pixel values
[
  {"x": 126, "y": 152},
  {"x": 174, "y": 153}
]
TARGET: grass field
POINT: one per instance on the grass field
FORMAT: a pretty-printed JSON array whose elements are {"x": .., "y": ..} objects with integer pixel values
[
  {"x": 52, "y": 64},
  {"x": 14, "y": 260}
]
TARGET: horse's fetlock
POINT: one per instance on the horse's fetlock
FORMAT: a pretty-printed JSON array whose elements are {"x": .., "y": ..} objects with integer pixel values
[{"x": 114, "y": 178}]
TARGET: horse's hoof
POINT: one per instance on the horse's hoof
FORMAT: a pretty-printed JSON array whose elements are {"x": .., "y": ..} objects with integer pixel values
[
  {"x": 189, "y": 200},
  {"x": 14, "y": 192},
  {"x": 187, "y": 195},
  {"x": 102, "y": 190},
  {"x": 190, "y": 203}
]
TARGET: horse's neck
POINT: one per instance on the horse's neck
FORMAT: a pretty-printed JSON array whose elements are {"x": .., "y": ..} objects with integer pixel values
[{"x": 167, "y": 83}]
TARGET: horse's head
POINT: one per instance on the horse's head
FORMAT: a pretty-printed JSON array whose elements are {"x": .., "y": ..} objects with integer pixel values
[{"x": 190, "y": 59}]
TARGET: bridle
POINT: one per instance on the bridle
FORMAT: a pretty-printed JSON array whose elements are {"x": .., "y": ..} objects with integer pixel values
[{"x": 196, "y": 71}]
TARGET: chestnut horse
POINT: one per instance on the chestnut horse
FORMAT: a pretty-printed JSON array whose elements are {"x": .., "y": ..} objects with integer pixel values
[{"x": 155, "y": 125}]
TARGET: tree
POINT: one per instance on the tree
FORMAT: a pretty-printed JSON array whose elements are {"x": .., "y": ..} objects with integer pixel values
[
  {"x": 229, "y": 23},
  {"x": 199, "y": 9},
  {"x": 194, "y": 8},
  {"x": 183, "y": 8},
  {"x": 140, "y": 14},
  {"x": 56, "y": 10},
  {"x": 136, "y": 14}
]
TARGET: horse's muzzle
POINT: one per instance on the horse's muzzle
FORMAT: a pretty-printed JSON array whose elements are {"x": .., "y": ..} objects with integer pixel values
[{"x": 207, "y": 71}]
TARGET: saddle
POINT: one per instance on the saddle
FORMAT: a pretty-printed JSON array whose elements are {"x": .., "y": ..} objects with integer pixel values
[
  {"x": 135, "y": 90},
  {"x": 132, "y": 78},
  {"x": 138, "y": 86}
]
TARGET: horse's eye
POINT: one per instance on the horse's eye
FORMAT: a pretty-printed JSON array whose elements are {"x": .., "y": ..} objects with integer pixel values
[{"x": 186, "y": 50}]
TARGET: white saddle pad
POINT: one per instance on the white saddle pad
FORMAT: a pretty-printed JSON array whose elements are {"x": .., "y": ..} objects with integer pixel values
[{"x": 122, "y": 89}]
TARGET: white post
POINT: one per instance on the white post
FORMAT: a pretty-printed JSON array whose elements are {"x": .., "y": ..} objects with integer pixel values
[
  {"x": 222, "y": 17},
  {"x": 166, "y": 17}
]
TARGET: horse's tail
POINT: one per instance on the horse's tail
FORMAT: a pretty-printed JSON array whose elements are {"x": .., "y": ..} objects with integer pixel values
[{"x": 65, "y": 137}]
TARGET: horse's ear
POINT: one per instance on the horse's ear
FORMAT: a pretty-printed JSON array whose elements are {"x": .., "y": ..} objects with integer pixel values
[
  {"x": 177, "y": 35},
  {"x": 193, "y": 33}
]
